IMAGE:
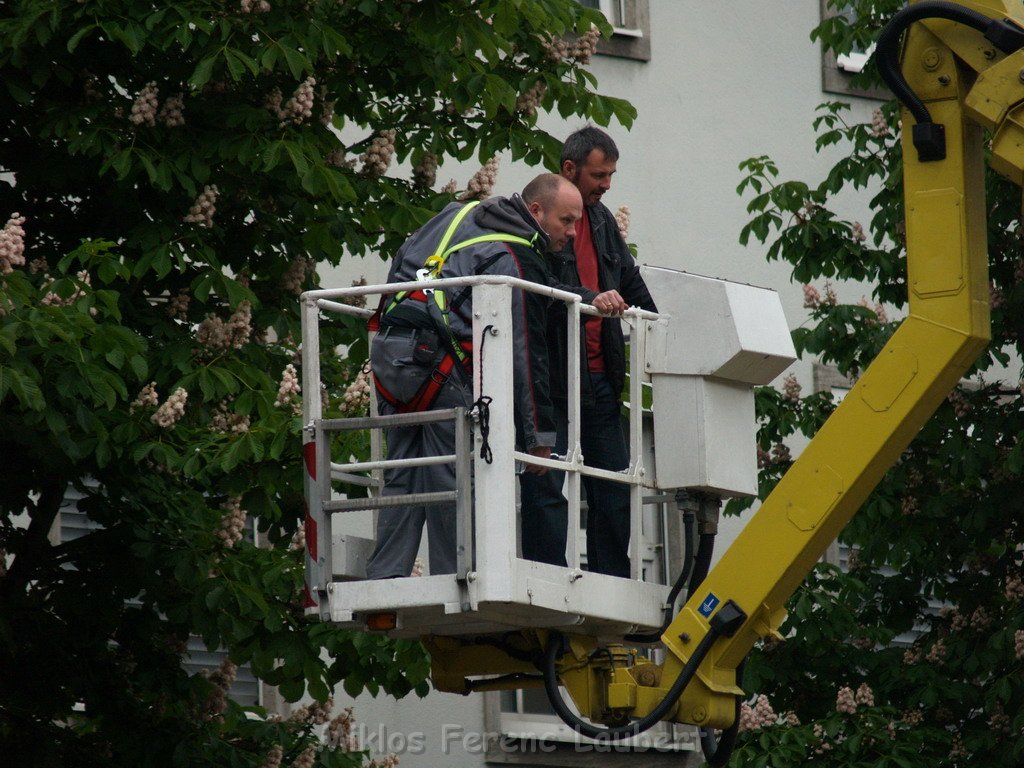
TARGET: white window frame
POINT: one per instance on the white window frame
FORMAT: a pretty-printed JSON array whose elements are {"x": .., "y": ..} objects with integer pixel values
[
  {"x": 631, "y": 29},
  {"x": 855, "y": 61},
  {"x": 617, "y": 12},
  {"x": 837, "y": 71},
  {"x": 525, "y": 736}
]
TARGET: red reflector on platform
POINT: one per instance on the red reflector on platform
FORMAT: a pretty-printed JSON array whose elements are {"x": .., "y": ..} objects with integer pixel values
[
  {"x": 381, "y": 622},
  {"x": 310, "y": 534},
  {"x": 307, "y": 598},
  {"x": 309, "y": 454}
]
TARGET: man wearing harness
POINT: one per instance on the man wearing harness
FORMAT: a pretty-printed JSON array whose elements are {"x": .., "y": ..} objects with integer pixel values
[{"x": 421, "y": 358}]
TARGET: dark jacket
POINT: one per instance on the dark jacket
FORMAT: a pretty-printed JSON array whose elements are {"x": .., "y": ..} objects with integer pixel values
[
  {"x": 497, "y": 214},
  {"x": 617, "y": 270}
]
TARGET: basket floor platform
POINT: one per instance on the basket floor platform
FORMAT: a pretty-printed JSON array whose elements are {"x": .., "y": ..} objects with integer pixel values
[{"x": 528, "y": 595}]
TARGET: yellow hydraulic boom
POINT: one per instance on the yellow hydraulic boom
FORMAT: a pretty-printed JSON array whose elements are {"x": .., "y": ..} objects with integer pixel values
[{"x": 958, "y": 70}]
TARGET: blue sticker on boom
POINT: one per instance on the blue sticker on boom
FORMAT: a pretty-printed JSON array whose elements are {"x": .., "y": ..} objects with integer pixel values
[{"x": 708, "y": 605}]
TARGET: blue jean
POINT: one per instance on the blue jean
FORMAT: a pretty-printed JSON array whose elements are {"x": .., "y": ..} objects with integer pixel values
[{"x": 545, "y": 511}]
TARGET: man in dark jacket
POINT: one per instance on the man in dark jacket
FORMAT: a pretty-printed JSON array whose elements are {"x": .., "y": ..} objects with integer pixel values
[
  {"x": 416, "y": 348},
  {"x": 598, "y": 266}
]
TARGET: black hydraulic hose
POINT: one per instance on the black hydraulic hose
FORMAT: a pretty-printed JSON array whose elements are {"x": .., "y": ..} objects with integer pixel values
[
  {"x": 724, "y": 622},
  {"x": 718, "y": 751},
  {"x": 930, "y": 137},
  {"x": 619, "y": 732},
  {"x": 677, "y": 587},
  {"x": 888, "y": 50},
  {"x": 702, "y": 564}
]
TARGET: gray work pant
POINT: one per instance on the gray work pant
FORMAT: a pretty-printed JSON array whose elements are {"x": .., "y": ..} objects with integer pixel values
[{"x": 399, "y": 529}]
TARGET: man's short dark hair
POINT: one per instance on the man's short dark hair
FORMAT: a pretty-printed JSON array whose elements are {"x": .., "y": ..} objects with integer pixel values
[
  {"x": 543, "y": 189},
  {"x": 579, "y": 144}
]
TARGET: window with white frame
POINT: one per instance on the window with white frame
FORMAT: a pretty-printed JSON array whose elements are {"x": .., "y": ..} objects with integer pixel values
[
  {"x": 630, "y": 20},
  {"x": 838, "y": 71},
  {"x": 531, "y": 732}
]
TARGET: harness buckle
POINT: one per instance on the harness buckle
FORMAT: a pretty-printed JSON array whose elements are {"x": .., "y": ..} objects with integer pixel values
[{"x": 425, "y": 274}]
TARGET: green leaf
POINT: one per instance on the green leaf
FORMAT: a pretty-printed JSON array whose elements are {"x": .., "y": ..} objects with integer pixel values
[
  {"x": 236, "y": 452},
  {"x": 20, "y": 94},
  {"x": 299, "y": 161},
  {"x": 256, "y": 447},
  {"x": 8, "y": 338},
  {"x": 202, "y": 73},
  {"x": 269, "y": 57},
  {"x": 202, "y": 286},
  {"x": 77, "y": 37},
  {"x": 215, "y": 597},
  {"x": 122, "y": 163},
  {"x": 277, "y": 446},
  {"x": 207, "y": 384},
  {"x": 292, "y": 689},
  {"x": 297, "y": 63},
  {"x": 272, "y": 155},
  {"x": 236, "y": 66},
  {"x": 23, "y": 387}
]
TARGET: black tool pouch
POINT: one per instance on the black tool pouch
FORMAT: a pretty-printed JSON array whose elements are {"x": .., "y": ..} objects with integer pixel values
[{"x": 403, "y": 360}]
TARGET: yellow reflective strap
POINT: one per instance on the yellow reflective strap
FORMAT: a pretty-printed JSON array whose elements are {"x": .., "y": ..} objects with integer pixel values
[
  {"x": 395, "y": 301},
  {"x": 441, "y": 300},
  {"x": 497, "y": 237},
  {"x": 436, "y": 262}
]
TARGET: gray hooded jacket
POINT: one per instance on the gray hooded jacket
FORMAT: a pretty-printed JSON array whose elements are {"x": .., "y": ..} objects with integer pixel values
[{"x": 497, "y": 214}]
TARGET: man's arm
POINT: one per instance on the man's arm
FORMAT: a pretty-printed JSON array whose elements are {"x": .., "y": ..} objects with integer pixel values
[
  {"x": 632, "y": 288},
  {"x": 533, "y": 267}
]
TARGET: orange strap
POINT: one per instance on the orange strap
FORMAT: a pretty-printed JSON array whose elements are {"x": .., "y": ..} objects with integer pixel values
[{"x": 431, "y": 388}]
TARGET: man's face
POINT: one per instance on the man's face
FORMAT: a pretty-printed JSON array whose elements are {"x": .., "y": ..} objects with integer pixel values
[
  {"x": 593, "y": 178},
  {"x": 559, "y": 218}
]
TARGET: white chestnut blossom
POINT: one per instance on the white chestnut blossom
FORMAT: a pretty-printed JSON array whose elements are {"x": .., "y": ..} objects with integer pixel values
[
  {"x": 288, "y": 388},
  {"x": 204, "y": 207},
  {"x": 144, "y": 108},
  {"x": 168, "y": 414},
  {"x": 232, "y": 522},
  {"x": 622, "y": 220},
  {"x": 146, "y": 398},
  {"x": 172, "y": 114},
  {"x": 377, "y": 158},
  {"x": 424, "y": 174},
  {"x": 12, "y": 244},
  {"x": 480, "y": 186},
  {"x": 299, "y": 107}
]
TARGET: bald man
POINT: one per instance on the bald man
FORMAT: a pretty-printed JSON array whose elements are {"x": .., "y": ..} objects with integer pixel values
[{"x": 413, "y": 350}]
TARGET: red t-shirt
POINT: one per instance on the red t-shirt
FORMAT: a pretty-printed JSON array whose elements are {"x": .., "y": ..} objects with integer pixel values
[{"x": 586, "y": 264}]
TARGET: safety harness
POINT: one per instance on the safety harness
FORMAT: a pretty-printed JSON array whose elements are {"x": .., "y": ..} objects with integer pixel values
[{"x": 428, "y": 308}]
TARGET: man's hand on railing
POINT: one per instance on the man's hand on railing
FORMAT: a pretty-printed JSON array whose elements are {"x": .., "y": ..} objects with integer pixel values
[
  {"x": 610, "y": 303},
  {"x": 541, "y": 452}
]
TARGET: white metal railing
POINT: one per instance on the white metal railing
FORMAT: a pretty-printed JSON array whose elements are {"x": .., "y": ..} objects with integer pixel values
[{"x": 495, "y": 515}]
